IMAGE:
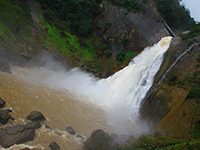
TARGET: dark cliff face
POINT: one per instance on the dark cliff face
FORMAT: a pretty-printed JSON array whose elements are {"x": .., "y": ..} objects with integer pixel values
[
  {"x": 169, "y": 107},
  {"x": 131, "y": 31}
]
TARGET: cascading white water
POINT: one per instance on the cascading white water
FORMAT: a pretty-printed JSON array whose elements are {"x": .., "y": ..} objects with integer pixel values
[{"x": 120, "y": 94}]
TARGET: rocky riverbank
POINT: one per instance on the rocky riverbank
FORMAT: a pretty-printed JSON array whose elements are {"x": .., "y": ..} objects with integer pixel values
[
  {"x": 19, "y": 134},
  {"x": 69, "y": 120}
]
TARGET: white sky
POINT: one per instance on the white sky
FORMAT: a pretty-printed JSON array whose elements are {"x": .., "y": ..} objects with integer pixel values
[{"x": 194, "y": 7}]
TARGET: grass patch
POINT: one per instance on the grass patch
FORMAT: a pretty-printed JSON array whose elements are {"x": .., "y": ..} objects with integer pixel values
[
  {"x": 69, "y": 44},
  {"x": 123, "y": 57}
]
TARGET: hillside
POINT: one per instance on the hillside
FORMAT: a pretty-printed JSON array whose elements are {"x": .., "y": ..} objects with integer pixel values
[{"x": 115, "y": 35}]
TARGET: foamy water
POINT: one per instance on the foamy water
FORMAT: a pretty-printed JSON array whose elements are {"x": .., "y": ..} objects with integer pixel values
[
  {"x": 121, "y": 94},
  {"x": 73, "y": 97}
]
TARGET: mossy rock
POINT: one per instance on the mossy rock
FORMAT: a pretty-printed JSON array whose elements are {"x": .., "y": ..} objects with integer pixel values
[{"x": 99, "y": 140}]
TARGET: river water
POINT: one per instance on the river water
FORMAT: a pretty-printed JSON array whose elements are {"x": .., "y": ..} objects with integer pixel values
[{"x": 59, "y": 107}]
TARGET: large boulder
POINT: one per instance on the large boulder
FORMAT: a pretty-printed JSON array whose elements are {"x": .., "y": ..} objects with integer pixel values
[
  {"x": 5, "y": 116},
  {"x": 36, "y": 116},
  {"x": 99, "y": 140},
  {"x": 70, "y": 130},
  {"x": 54, "y": 146},
  {"x": 16, "y": 135},
  {"x": 2, "y": 103}
]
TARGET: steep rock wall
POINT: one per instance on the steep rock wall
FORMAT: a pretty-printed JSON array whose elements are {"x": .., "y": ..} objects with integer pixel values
[
  {"x": 131, "y": 31},
  {"x": 168, "y": 107}
]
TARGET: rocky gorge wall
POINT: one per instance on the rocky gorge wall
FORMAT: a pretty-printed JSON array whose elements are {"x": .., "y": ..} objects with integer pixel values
[
  {"x": 169, "y": 107},
  {"x": 124, "y": 31},
  {"x": 131, "y": 31}
]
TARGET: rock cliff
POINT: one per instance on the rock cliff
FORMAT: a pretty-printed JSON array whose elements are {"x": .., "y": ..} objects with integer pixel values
[
  {"x": 131, "y": 31},
  {"x": 170, "y": 107}
]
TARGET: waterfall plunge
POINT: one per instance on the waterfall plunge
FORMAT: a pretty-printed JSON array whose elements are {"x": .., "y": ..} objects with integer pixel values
[{"x": 121, "y": 94}]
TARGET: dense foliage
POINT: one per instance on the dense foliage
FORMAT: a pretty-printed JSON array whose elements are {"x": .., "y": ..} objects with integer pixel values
[
  {"x": 176, "y": 15},
  {"x": 162, "y": 143},
  {"x": 78, "y": 15},
  {"x": 193, "y": 33},
  {"x": 130, "y": 5},
  {"x": 194, "y": 81}
]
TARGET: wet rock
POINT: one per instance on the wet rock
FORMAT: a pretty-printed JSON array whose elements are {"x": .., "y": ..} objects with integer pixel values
[
  {"x": 5, "y": 116},
  {"x": 16, "y": 135},
  {"x": 58, "y": 134},
  {"x": 70, "y": 130},
  {"x": 47, "y": 127},
  {"x": 36, "y": 116},
  {"x": 54, "y": 146},
  {"x": 14, "y": 129},
  {"x": 4, "y": 67},
  {"x": 98, "y": 140},
  {"x": 26, "y": 149},
  {"x": 35, "y": 125},
  {"x": 2, "y": 103},
  {"x": 80, "y": 137}
]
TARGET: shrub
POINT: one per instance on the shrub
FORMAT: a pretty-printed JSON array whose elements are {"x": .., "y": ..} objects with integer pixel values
[
  {"x": 193, "y": 33},
  {"x": 130, "y": 5},
  {"x": 194, "y": 92},
  {"x": 78, "y": 15},
  {"x": 176, "y": 15},
  {"x": 108, "y": 53}
]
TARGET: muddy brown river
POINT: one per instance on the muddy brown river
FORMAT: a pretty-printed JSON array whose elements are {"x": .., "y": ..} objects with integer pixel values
[{"x": 60, "y": 107}]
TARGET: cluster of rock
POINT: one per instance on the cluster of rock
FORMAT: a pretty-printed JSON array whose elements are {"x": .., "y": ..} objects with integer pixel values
[
  {"x": 4, "y": 113},
  {"x": 19, "y": 134}
]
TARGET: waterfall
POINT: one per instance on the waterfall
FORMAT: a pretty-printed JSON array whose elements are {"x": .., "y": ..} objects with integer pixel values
[{"x": 121, "y": 94}]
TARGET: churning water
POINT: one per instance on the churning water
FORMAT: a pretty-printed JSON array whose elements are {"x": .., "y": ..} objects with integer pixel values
[
  {"x": 76, "y": 98},
  {"x": 120, "y": 94}
]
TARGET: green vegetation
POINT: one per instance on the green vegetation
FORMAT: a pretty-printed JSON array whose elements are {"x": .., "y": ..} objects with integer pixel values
[
  {"x": 122, "y": 57},
  {"x": 102, "y": 141},
  {"x": 162, "y": 143},
  {"x": 193, "y": 80},
  {"x": 195, "y": 134},
  {"x": 130, "y": 5},
  {"x": 176, "y": 15},
  {"x": 67, "y": 43},
  {"x": 105, "y": 25},
  {"x": 145, "y": 1},
  {"x": 193, "y": 33},
  {"x": 78, "y": 15},
  {"x": 172, "y": 79},
  {"x": 14, "y": 18},
  {"x": 5, "y": 33},
  {"x": 69, "y": 26},
  {"x": 108, "y": 53}
]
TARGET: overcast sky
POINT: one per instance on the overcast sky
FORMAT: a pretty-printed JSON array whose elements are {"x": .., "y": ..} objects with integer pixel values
[{"x": 194, "y": 7}]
